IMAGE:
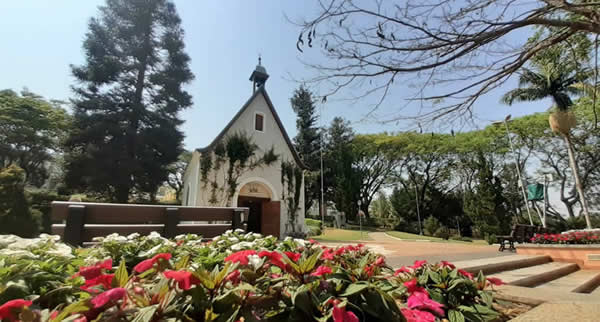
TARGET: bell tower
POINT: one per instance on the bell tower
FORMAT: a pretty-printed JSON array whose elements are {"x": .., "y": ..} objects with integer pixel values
[{"x": 259, "y": 76}]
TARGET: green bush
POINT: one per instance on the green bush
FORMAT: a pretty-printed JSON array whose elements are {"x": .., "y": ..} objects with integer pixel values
[
  {"x": 15, "y": 215},
  {"x": 490, "y": 238},
  {"x": 461, "y": 238},
  {"x": 442, "y": 232},
  {"x": 40, "y": 201},
  {"x": 431, "y": 225},
  {"x": 312, "y": 222},
  {"x": 313, "y": 231}
]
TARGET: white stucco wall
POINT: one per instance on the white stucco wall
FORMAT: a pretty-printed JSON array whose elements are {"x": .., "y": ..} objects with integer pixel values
[{"x": 270, "y": 176}]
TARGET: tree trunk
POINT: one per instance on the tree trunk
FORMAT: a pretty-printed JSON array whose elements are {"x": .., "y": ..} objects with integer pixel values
[{"x": 578, "y": 185}]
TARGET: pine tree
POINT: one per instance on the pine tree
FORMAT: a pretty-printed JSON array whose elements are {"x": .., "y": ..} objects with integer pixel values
[
  {"x": 307, "y": 142},
  {"x": 129, "y": 92}
]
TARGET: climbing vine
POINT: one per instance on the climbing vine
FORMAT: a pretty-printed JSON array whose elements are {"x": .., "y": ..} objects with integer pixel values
[
  {"x": 291, "y": 181},
  {"x": 222, "y": 167}
]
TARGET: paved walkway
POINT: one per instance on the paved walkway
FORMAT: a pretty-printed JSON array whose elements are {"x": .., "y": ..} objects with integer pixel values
[{"x": 401, "y": 252}]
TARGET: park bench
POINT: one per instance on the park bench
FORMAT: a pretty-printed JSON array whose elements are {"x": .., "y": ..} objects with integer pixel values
[
  {"x": 519, "y": 233},
  {"x": 79, "y": 222}
]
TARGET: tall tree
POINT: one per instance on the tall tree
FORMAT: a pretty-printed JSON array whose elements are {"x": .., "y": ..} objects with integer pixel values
[
  {"x": 31, "y": 132},
  {"x": 554, "y": 74},
  {"x": 376, "y": 47},
  {"x": 307, "y": 142},
  {"x": 129, "y": 93}
]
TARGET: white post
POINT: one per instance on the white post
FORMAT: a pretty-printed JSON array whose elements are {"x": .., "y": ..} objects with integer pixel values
[
  {"x": 545, "y": 199},
  {"x": 418, "y": 212}
]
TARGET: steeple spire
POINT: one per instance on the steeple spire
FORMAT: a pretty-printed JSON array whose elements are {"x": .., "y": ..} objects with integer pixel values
[{"x": 259, "y": 76}]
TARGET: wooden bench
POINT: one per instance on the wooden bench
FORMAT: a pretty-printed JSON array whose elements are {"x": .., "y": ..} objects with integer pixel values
[
  {"x": 80, "y": 222},
  {"x": 519, "y": 233}
]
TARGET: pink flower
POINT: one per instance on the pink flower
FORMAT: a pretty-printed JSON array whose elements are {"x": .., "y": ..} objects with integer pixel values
[
  {"x": 8, "y": 309},
  {"x": 104, "y": 280},
  {"x": 240, "y": 257},
  {"x": 184, "y": 279},
  {"x": 465, "y": 273},
  {"x": 402, "y": 269},
  {"x": 321, "y": 270},
  {"x": 234, "y": 277},
  {"x": 274, "y": 257},
  {"x": 312, "y": 241},
  {"x": 495, "y": 281},
  {"x": 422, "y": 301},
  {"x": 413, "y": 287},
  {"x": 447, "y": 264},
  {"x": 109, "y": 296},
  {"x": 418, "y": 264},
  {"x": 81, "y": 319},
  {"x": 417, "y": 316},
  {"x": 341, "y": 315},
  {"x": 294, "y": 257},
  {"x": 380, "y": 261},
  {"x": 148, "y": 263},
  {"x": 89, "y": 272}
]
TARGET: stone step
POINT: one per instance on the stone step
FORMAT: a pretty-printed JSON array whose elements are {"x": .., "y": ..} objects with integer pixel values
[
  {"x": 583, "y": 281},
  {"x": 536, "y": 275},
  {"x": 504, "y": 263}
]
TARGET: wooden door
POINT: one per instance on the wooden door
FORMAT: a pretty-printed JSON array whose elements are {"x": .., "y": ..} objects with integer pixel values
[{"x": 270, "y": 221}]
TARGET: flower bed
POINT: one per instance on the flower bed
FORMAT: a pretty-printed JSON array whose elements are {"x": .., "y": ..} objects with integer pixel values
[
  {"x": 575, "y": 237},
  {"x": 235, "y": 277}
]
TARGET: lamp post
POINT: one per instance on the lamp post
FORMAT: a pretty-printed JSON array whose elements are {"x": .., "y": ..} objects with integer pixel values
[{"x": 505, "y": 121}]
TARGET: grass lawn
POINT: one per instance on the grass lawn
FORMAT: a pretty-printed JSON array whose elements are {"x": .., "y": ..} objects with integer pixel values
[
  {"x": 403, "y": 235},
  {"x": 332, "y": 234}
]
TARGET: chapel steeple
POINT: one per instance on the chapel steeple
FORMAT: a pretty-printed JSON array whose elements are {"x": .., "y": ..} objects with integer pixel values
[{"x": 259, "y": 76}]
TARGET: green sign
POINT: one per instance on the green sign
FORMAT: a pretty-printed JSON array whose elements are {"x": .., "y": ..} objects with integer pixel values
[{"x": 535, "y": 192}]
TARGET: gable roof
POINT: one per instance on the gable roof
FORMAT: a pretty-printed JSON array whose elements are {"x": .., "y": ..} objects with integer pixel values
[{"x": 263, "y": 91}]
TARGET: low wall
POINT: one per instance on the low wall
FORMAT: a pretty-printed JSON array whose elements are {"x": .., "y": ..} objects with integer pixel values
[{"x": 586, "y": 256}]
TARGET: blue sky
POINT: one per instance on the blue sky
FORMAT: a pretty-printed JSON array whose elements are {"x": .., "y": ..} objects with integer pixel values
[{"x": 41, "y": 38}]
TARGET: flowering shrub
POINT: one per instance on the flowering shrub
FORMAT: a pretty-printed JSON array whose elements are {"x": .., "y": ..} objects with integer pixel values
[
  {"x": 575, "y": 237},
  {"x": 235, "y": 277}
]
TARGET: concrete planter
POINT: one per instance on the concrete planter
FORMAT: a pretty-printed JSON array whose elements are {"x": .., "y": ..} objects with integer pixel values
[{"x": 586, "y": 256}]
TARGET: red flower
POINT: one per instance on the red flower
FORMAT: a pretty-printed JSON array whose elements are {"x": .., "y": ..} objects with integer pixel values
[
  {"x": 418, "y": 264},
  {"x": 81, "y": 319},
  {"x": 104, "y": 280},
  {"x": 413, "y": 287},
  {"x": 294, "y": 257},
  {"x": 380, "y": 261},
  {"x": 89, "y": 272},
  {"x": 447, "y": 264},
  {"x": 465, "y": 273},
  {"x": 274, "y": 257},
  {"x": 184, "y": 279},
  {"x": 148, "y": 263},
  {"x": 312, "y": 241},
  {"x": 496, "y": 281},
  {"x": 402, "y": 269},
  {"x": 8, "y": 309},
  {"x": 240, "y": 257},
  {"x": 341, "y": 315},
  {"x": 421, "y": 301},
  {"x": 109, "y": 296},
  {"x": 322, "y": 270},
  {"x": 327, "y": 254},
  {"x": 234, "y": 277},
  {"x": 417, "y": 316}
]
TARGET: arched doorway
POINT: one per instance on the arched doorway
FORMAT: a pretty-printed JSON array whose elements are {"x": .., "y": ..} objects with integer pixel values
[{"x": 264, "y": 211}]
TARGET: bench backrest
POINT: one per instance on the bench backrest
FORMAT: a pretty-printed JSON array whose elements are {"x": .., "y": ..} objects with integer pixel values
[
  {"x": 79, "y": 222},
  {"x": 523, "y": 233}
]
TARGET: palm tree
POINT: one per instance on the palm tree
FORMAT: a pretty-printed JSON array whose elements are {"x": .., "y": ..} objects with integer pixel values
[{"x": 550, "y": 77}]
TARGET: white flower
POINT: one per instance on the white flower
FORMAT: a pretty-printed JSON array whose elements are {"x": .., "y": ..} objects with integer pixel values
[
  {"x": 216, "y": 238},
  {"x": 300, "y": 242},
  {"x": 50, "y": 237},
  {"x": 61, "y": 250},
  {"x": 115, "y": 237},
  {"x": 154, "y": 235},
  {"x": 255, "y": 261},
  {"x": 288, "y": 238},
  {"x": 16, "y": 253},
  {"x": 221, "y": 242},
  {"x": 98, "y": 239},
  {"x": 133, "y": 236},
  {"x": 242, "y": 245},
  {"x": 150, "y": 251},
  {"x": 239, "y": 231},
  {"x": 182, "y": 236},
  {"x": 228, "y": 232},
  {"x": 255, "y": 235},
  {"x": 233, "y": 239}
]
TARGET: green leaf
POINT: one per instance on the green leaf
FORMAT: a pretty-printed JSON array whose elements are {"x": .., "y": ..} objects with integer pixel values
[
  {"x": 455, "y": 316},
  {"x": 302, "y": 301},
  {"x": 145, "y": 314},
  {"x": 355, "y": 288},
  {"x": 76, "y": 307},
  {"x": 121, "y": 275},
  {"x": 182, "y": 263},
  {"x": 310, "y": 262},
  {"x": 435, "y": 277},
  {"x": 487, "y": 297}
]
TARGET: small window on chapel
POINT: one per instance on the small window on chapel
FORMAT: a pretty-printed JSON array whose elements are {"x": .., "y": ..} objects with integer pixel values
[{"x": 259, "y": 121}]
